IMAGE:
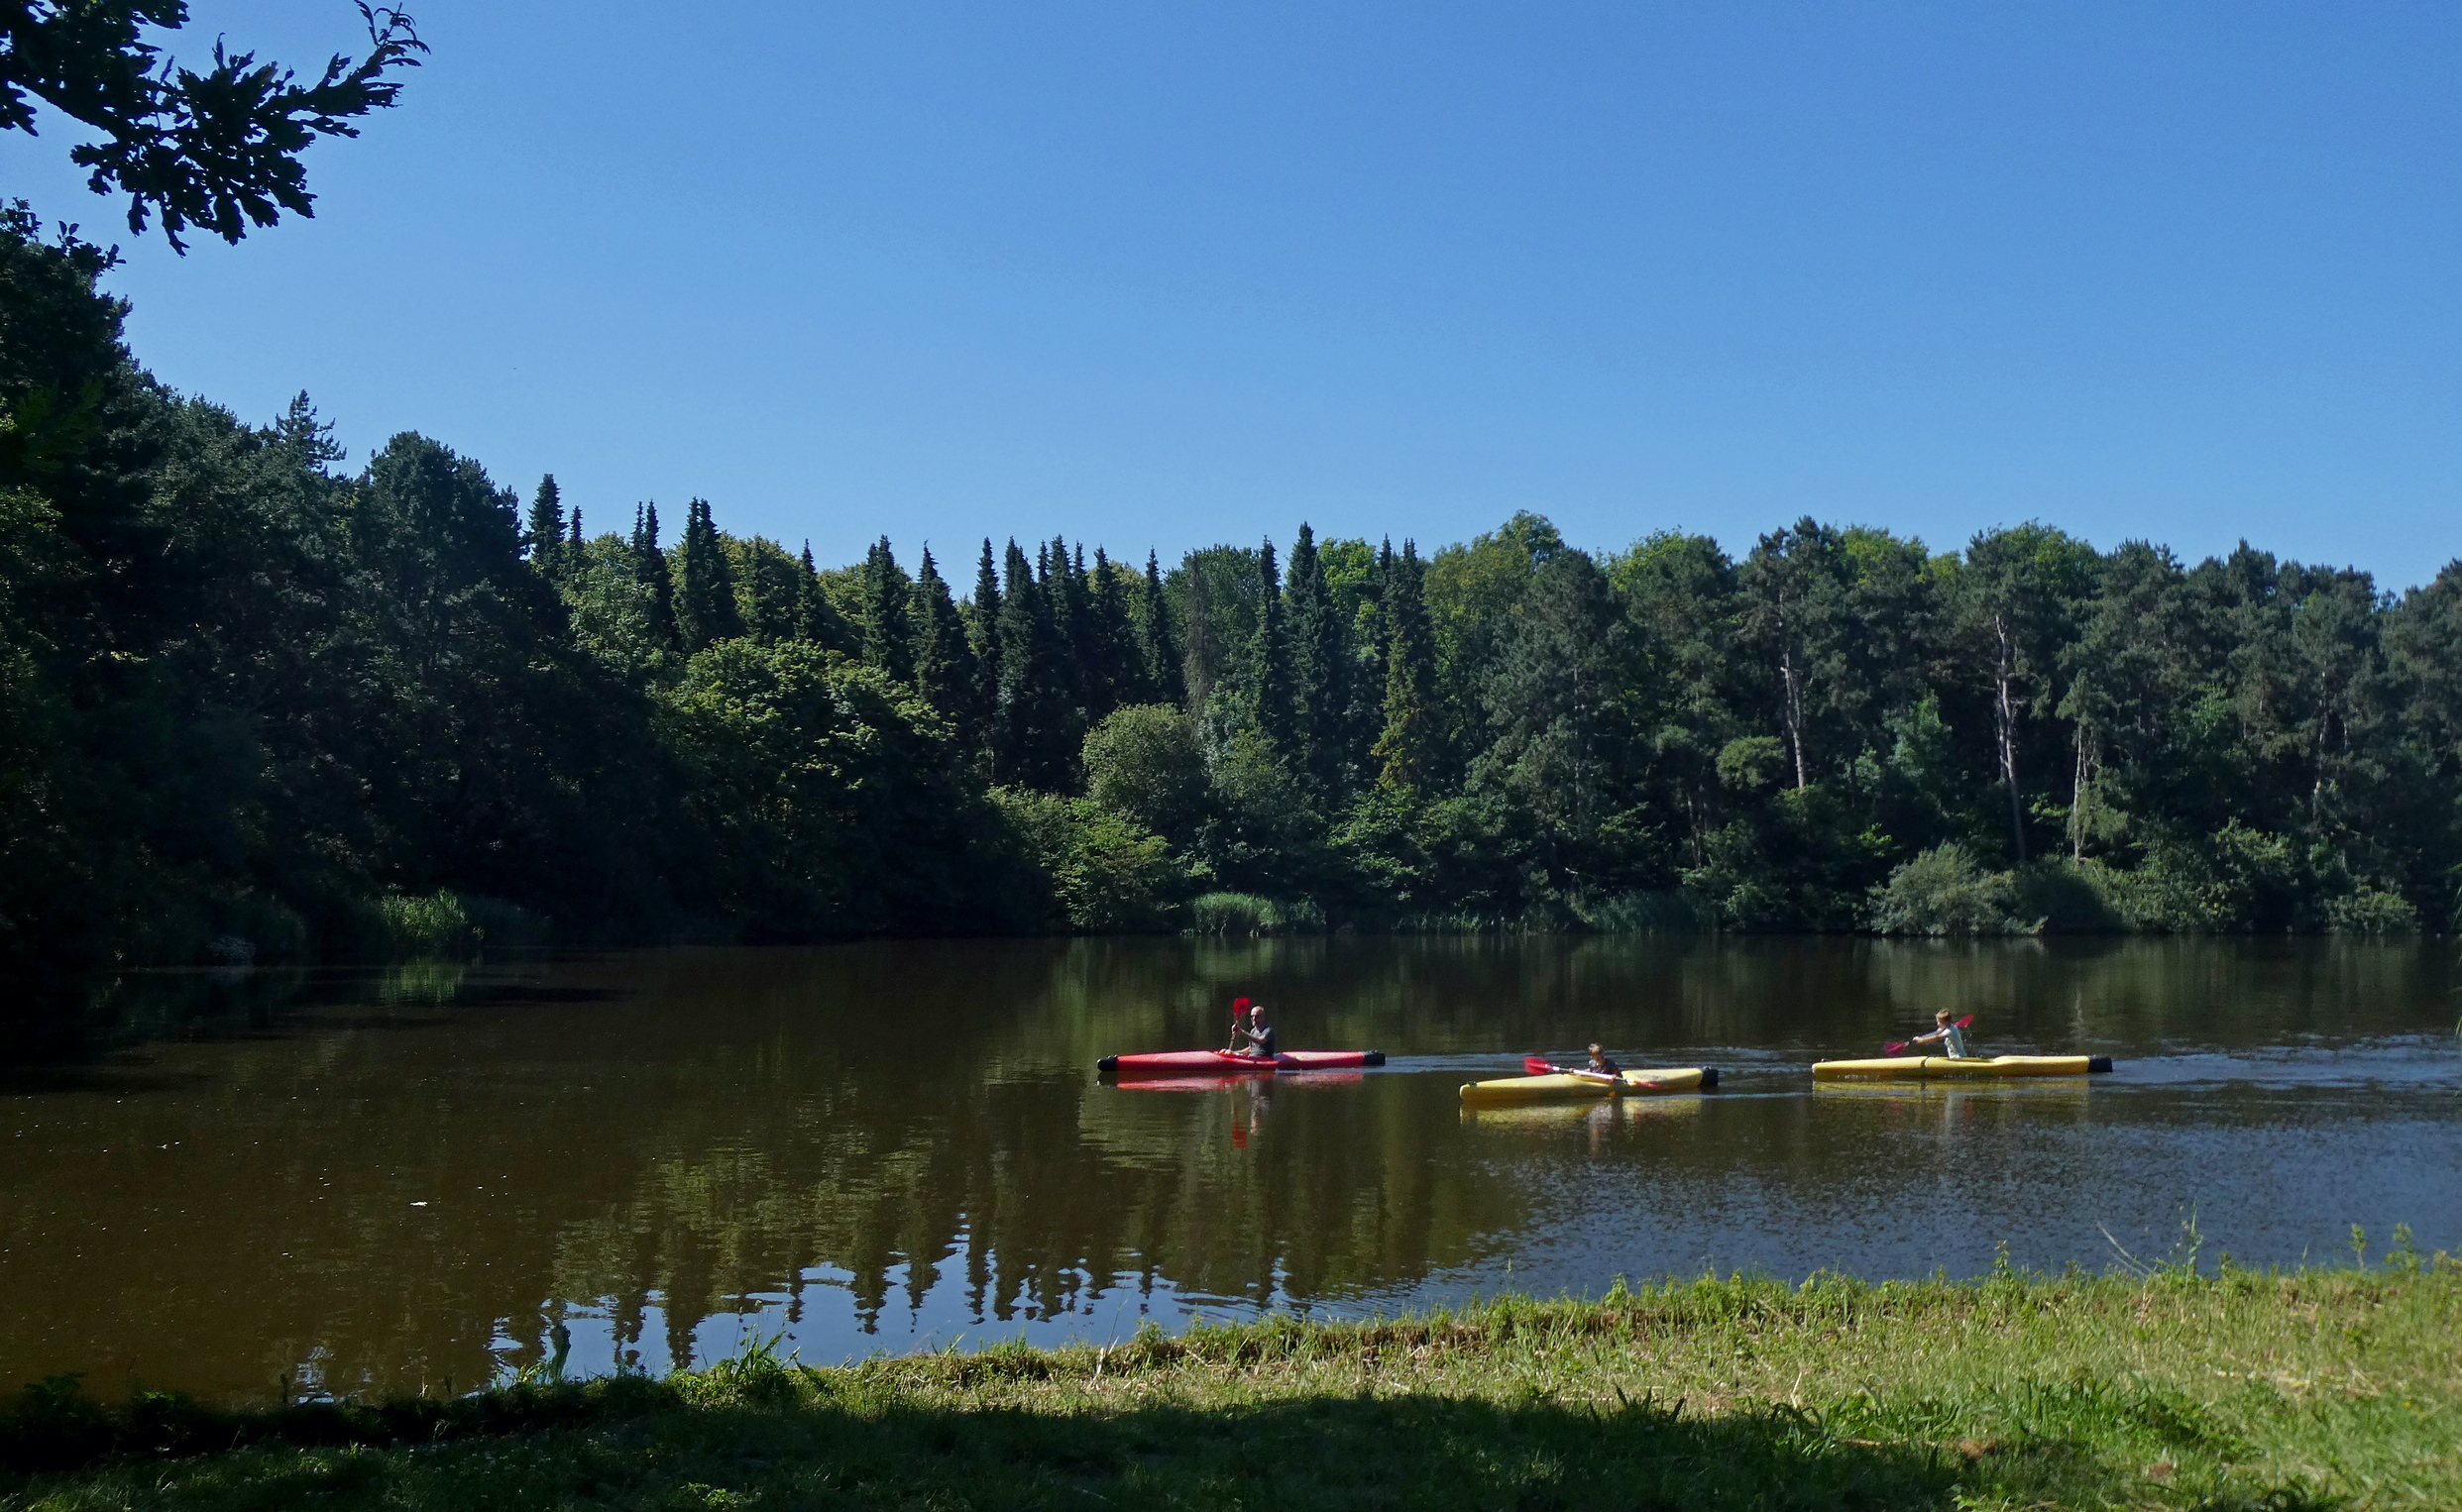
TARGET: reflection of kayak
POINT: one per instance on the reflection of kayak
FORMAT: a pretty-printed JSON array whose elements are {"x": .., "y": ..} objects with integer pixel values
[
  {"x": 1223, "y": 1063},
  {"x": 1896, "y": 1067},
  {"x": 1182, "y": 1083},
  {"x": 1562, "y": 1085}
]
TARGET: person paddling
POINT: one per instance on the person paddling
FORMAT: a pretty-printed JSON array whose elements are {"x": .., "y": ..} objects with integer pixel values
[
  {"x": 1953, "y": 1039},
  {"x": 1259, "y": 1033},
  {"x": 1602, "y": 1065}
]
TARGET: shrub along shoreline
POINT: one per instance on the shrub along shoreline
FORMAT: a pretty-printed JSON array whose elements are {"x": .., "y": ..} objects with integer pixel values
[{"x": 2162, "y": 1388}]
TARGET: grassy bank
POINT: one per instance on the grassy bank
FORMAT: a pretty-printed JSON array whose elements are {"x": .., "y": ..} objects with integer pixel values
[{"x": 2244, "y": 1390}]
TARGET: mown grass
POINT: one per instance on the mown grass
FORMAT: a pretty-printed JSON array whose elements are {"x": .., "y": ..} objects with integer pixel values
[{"x": 2242, "y": 1390}]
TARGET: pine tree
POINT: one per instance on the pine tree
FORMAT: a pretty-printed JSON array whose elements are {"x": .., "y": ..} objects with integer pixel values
[
  {"x": 1156, "y": 646},
  {"x": 817, "y": 620},
  {"x": 1064, "y": 597},
  {"x": 888, "y": 629},
  {"x": 1408, "y": 745},
  {"x": 983, "y": 615},
  {"x": 1320, "y": 669},
  {"x": 1268, "y": 693},
  {"x": 1115, "y": 675},
  {"x": 1031, "y": 745},
  {"x": 705, "y": 583},
  {"x": 545, "y": 537},
  {"x": 649, "y": 566},
  {"x": 944, "y": 663}
]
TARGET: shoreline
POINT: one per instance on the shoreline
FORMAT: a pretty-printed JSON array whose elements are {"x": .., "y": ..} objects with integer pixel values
[{"x": 2233, "y": 1388}]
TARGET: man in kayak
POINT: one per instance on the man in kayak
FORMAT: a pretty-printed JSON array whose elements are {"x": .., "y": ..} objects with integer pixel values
[
  {"x": 1259, "y": 1034},
  {"x": 1953, "y": 1039},
  {"x": 1239, "y": 1011}
]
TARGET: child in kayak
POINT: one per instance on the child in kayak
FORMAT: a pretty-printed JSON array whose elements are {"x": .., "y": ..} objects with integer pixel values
[
  {"x": 1953, "y": 1039},
  {"x": 1601, "y": 1065},
  {"x": 1259, "y": 1034}
]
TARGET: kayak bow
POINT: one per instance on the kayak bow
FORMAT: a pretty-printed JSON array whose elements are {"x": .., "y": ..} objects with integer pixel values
[
  {"x": 1224, "y": 1062},
  {"x": 1564, "y": 1084},
  {"x": 1914, "y": 1066}
]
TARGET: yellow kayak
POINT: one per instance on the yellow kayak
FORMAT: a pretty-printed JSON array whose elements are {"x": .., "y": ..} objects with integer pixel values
[
  {"x": 1912, "y": 1066},
  {"x": 1532, "y": 1089}
]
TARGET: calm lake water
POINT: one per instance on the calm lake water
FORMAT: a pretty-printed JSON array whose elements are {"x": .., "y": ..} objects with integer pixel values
[{"x": 431, "y": 1177}]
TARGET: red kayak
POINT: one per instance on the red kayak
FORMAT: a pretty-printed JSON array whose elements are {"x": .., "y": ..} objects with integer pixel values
[{"x": 1222, "y": 1062}]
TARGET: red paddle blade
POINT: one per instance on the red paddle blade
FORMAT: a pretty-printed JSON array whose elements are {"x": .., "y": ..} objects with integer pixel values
[
  {"x": 1536, "y": 1066},
  {"x": 1962, "y": 1023},
  {"x": 1893, "y": 1047}
]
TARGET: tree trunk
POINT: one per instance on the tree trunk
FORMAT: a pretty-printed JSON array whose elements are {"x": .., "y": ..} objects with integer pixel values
[
  {"x": 2077, "y": 790},
  {"x": 2004, "y": 721}
]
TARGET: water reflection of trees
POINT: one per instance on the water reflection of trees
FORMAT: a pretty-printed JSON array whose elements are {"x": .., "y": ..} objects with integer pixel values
[
  {"x": 675, "y": 1135},
  {"x": 962, "y": 1137}
]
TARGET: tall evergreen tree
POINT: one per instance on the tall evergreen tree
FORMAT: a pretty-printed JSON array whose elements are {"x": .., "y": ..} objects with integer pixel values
[
  {"x": 544, "y": 539},
  {"x": 817, "y": 620},
  {"x": 943, "y": 664},
  {"x": 1115, "y": 674},
  {"x": 1157, "y": 647},
  {"x": 1267, "y": 690},
  {"x": 1408, "y": 745},
  {"x": 983, "y": 627},
  {"x": 888, "y": 628},
  {"x": 705, "y": 583},
  {"x": 1030, "y": 742},
  {"x": 1320, "y": 658},
  {"x": 650, "y": 565}
]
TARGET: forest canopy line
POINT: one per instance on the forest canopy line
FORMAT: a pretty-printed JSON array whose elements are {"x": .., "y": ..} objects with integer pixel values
[{"x": 255, "y": 704}]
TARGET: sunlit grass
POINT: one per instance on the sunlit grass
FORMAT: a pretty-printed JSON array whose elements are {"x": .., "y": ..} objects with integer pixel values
[{"x": 2171, "y": 1389}]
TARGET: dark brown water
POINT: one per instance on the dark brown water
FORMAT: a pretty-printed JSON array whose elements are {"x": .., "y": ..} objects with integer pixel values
[{"x": 432, "y": 1179}]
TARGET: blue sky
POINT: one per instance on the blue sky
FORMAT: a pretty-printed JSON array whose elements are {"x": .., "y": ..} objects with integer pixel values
[{"x": 1170, "y": 275}]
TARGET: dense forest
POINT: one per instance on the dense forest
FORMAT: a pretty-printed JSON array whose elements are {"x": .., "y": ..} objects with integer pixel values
[{"x": 256, "y": 706}]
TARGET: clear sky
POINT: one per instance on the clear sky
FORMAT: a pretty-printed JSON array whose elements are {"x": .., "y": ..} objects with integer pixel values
[{"x": 1170, "y": 275}]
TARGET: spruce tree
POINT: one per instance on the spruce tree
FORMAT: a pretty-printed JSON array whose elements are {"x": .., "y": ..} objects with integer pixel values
[
  {"x": 817, "y": 620},
  {"x": 1063, "y": 600},
  {"x": 649, "y": 566},
  {"x": 705, "y": 583},
  {"x": 1030, "y": 739},
  {"x": 888, "y": 629},
  {"x": 545, "y": 537},
  {"x": 1321, "y": 659},
  {"x": 1407, "y": 747},
  {"x": 944, "y": 663},
  {"x": 1156, "y": 646},
  {"x": 1268, "y": 693},
  {"x": 983, "y": 614},
  {"x": 1117, "y": 675}
]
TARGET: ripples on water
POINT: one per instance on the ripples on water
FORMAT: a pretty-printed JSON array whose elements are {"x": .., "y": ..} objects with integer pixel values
[{"x": 435, "y": 1177}]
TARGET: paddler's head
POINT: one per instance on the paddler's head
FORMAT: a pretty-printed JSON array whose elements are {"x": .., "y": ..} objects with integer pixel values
[
  {"x": 1596, "y": 1053},
  {"x": 1257, "y": 1015},
  {"x": 1941, "y": 1017}
]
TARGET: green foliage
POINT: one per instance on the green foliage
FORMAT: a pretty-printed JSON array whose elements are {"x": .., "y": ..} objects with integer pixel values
[
  {"x": 1104, "y": 873},
  {"x": 1945, "y": 891},
  {"x": 219, "y": 150},
  {"x": 1143, "y": 762},
  {"x": 829, "y": 795},
  {"x": 1245, "y": 913}
]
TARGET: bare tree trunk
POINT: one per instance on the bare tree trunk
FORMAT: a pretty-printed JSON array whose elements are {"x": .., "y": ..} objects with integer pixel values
[
  {"x": 1794, "y": 702},
  {"x": 2077, "y": 793},
  {"x": 2004, "y": 722}
]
